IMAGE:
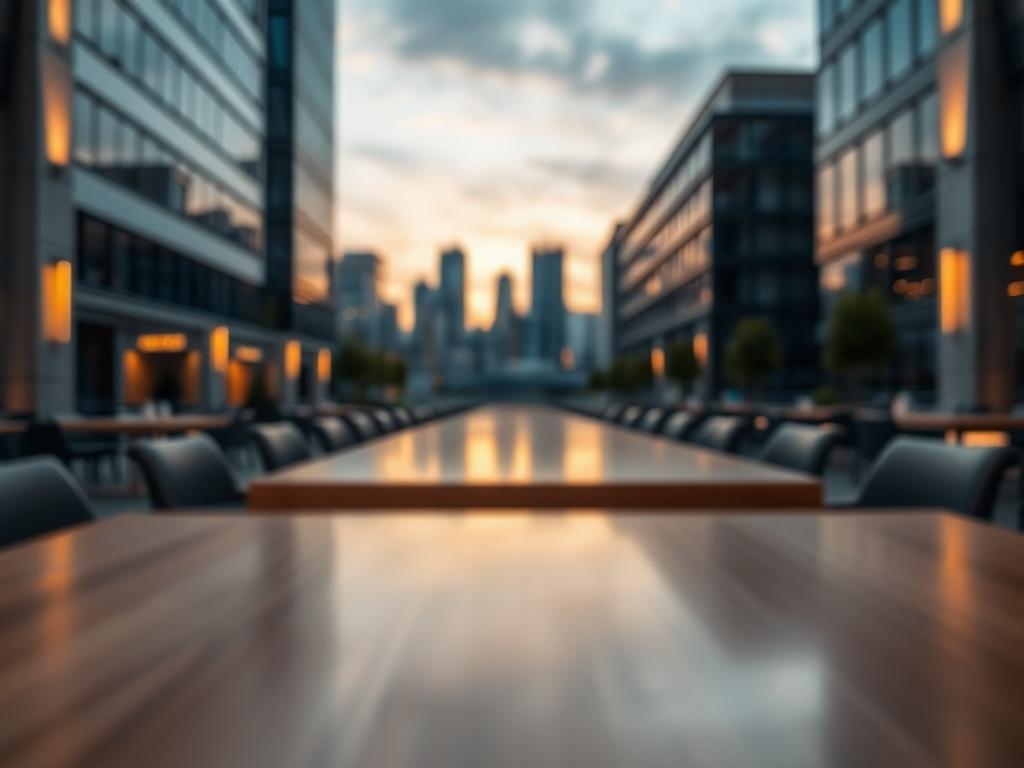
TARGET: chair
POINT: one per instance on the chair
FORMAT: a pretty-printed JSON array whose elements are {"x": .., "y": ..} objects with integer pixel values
[
  {"x": 679, "y": 425},
  {"x": 872, "y": 432},
  {"x": 422, "y": 413},
  {"x": 279, "y": 445},
  {"x": 39, "y": 496},
  {"x": 46, "y": 438},
  {"x": 613, "y": 412},
  {"x": 630, "y": 416},
  {"x": 802, "y": 448},
  {"x": 402, "y": 416},
  {"x": 722, "y": 433},
  {"x": 919, "y": 472},
  {"x": 234, "y": 438},
  {"x": 332, "y": 433},
  {"x": 653, "y": 420},
  {"x": 385, "y": 421},
  {"x": 362, "y": 424},
  {"x": 186, "y": 472}
]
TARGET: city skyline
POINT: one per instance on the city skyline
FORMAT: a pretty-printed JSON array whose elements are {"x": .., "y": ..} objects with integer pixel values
[{"x": 520, "y": 124}]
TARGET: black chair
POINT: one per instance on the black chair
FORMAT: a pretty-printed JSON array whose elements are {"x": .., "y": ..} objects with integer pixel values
[
  {"x": 186, "y": 472},
  {"x": 234, "y": 438},
  {"x": 630, "y": 416},
  {"x": 613, "y": 411},
  {"x": 39, "y": 496},
  {"x": 362, "y": 424},
  {"x": 653, "y": 420},
  {"x": 872, "y": 432},
  {"x": 679, "y": 425},
  {"x": 919, "y": 472},
  {"x": 46, "y": 438},
  {"x": 722, "y": 433},
  {"x": 422, "y": 413},
  {"x": 332, "y": 433},
  {"x": 279, "y": 445},
  {"x": 385, "y": 421},
  {"x": 802, "y": 448},
  {"x": 402, "y": 416}
]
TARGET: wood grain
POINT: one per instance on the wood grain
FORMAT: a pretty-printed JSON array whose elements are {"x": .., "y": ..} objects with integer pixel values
[
  {"x": 515, "y": 640},
  {"x": 529, "y": 456}
]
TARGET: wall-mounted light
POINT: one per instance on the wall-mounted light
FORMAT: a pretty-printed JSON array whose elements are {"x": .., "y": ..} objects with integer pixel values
[
  {"x": 658, "y": 362},
  {"x": 58, "y": 20},
  {"x": 323, "y": 365},
  {"x": 56, "y": 109},
  {"x": 249, "y": 354},
  {"x": 57, "y": 289},
  {"x": 162, "y": 343},
  {"x": 292, "y": 359},
  {"x": 954, "y": 99},
  {"x": 951, "y": 15},
  {"x": 954, "y": 290},
  {"x": 220, "y": 348},
  {"x": 700, "y": 348}
]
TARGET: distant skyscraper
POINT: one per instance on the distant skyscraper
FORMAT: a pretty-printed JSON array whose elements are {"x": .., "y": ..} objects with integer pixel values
[
  {"x": 424, "y": 326},
  {"x": 503, "y": 342},
  {"x": 453, "y": 294},
  {"x": 547, "y": 304},
  {"x": 358, "y": 292},
  {"x": 609, "y": 299}
]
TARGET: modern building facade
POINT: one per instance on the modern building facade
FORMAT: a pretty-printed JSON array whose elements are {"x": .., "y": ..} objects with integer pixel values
[
  {"x": 725, "y": 231},
  {"x": 547, "y": 305},
  {"x": 919, "y": 178},
  {"x": 136, "y": 265},
  {"x": 452, "y": 295},
  {"x": 609, "y": 299},
  {"x": 359, "y": 275}
]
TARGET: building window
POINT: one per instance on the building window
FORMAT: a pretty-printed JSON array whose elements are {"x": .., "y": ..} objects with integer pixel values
[
  {"x": 874, "y": 175},
  {"x": 874, "y": 60},
  {"x": 849, "y": 212},
  {"x": 901, "y": 43},
  {"x": 826, "y": 202},
  {"x": 848, "y": 95},
  {"x": 902, "y": 158},
  {"x": 928, "y": 142},
  {"x": 826, "y": 99},
  {"x": 927, "y": 26}
]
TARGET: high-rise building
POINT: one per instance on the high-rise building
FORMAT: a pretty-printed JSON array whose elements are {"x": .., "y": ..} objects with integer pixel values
[
  {"x": 581, "y": 336},
  {"x": 547, "y": 304},
  {"x": 725, "y": 231},
  {"x": 609, "y": 280},
  {"x": 503, "y": 343},
  {"x": 132, "y": 236},
  {"x": 358, "y": 300},
  {"x": 919, "y": 184},
  {"x": 452, "y": 295},
  {"x": 300, "y": 161}
]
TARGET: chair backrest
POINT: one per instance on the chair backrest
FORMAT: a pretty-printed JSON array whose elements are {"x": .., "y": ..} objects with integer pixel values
[
  {"x": 45, "y": 438},
  {"x": 186, "y": 472},
  {"x": 279, "y": 445},
  {"x": 333, "y": 433},
  {"x": 872, "y": 433},
  {"x": 679, "y": 425},
  {"x": 402, "y": 416},
  {"x": 652, "y": 420},
  {"x": 801, "y": 447},
  {"x": 385, "y": 421},
  {"x": 631, "y": 415},
  {"x": 613, "y": 411},
  {"x": 362, "y": 424},
  {"x": 921, "y": 472},
  {"x": 723, "y": 433},
  {"x": 422, "y": 413},
  {"x": 39, "y": 496}
]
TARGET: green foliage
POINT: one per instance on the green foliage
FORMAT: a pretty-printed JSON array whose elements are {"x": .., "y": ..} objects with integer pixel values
[
  {"x": 681, "y": 364},
  {"x": 826, "y": 395},
  {"x": 754, "y": 353},
  {"x": 599, "y": 381},
  {"x": 363, "y": 368},
  {"x": 630, "y": 374},
  {"x": 861, "y": 338}
]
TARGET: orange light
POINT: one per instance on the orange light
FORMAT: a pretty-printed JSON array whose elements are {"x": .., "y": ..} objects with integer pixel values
[
  {"x": 985, "y": 439},
  {"x": 658, "y": 362},
  {"x": 220, "y": 348},
  {"x": 954, "y": 92},
  {"x": 568, "y": 359},
  {"x": 57, "y": 288},
  {"x": 58, "y": 16},
  {"x": 292, "y": 359},
  {"x": 954, "y": 290},
  {"x": 249, "y": 354},
  {"x": 1017, "y": 259},
  {"x": 162, "y": 343},
  {"x": 700, "y": 348},
  {"x": 56, "y": 109},
  {"x": 1016, "y": 289},
  {"x": 136, "y": 388},
  {"x": 323, "y": 365},
  {"x": 951, "y": 15}
]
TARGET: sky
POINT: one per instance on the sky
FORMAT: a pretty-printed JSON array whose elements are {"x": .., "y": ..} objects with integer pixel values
[{"x": 500, "y": 124}]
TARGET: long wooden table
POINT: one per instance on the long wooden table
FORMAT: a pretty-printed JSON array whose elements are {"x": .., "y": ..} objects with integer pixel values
[
  {"x": 515, "y": 640},
  {"x": 132, "y": 426},
  {"x": 529, "y": 456}
]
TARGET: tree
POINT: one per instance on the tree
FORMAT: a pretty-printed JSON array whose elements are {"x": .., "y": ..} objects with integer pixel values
[
  {"x": 861, "y": 338},
  {"x": 599, "y": 381},
  {"x": 355, "y": 364},
  {"x": 753, "y": 354},
  {"x": 681, "y": 364}
]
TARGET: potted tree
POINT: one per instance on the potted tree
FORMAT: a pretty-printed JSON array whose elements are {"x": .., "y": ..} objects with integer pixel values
[
  {"x": 861, "y": 339},
  {"x": 682, "y": 366},
  {"x": 753, "y": 355}
]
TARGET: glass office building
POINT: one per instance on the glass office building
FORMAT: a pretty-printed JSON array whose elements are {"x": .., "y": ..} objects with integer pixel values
[
  {"x": 918, "y": 128},
  {"x": 143, "y": 271},
  {"x": 725, "y": 232}
]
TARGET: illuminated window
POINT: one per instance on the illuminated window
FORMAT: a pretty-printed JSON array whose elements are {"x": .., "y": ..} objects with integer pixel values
[{"x": 953, "y": 99}]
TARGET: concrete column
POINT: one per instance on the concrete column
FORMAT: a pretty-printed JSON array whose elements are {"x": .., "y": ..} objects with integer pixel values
[
  {"x": 975, "y": 214},
  {"x": 37, "y": 228},
  {"x": 214, "y": 383}
]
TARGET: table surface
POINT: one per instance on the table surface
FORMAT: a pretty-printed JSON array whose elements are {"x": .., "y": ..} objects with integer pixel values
[
  {"x": 959, "y": 422},
  {"x": 129, "y": 424},
  {"x": 529, "y": 456},
  {"x": 513, "y": 640}
]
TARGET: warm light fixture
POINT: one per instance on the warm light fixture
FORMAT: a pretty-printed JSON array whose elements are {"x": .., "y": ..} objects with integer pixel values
[
  {"x": 57, "y": 288},
  {"x": 954, "y": 290},
  {"x": 58, "y": 17},
  {"x": 1015, "y": 289},
  {"x": 249, "y": 354},
  {"x": 658, "y": 362},
  {"x": 568, "y": 359},
  {"x": 700, "y": 348},
  {"x": 220, "y": 348},
  {"x": 56, "y": 109},
  {"x": 954, "y": 98},
  {"x": 162, "y": 342},
  {"x": 323, "y": 365},
  {"x": 292, "y": 359},
  {"x": 1017, "y": 259},
  {"x": 951, "y": 15}
]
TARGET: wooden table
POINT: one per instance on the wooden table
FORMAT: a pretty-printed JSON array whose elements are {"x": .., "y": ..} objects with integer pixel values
[
  {"x": 143, "y": 426},
  {"x": 515, "y": 640},
  {"x": 529, "y": 456},
  {"x": 957, "y": 425}
]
